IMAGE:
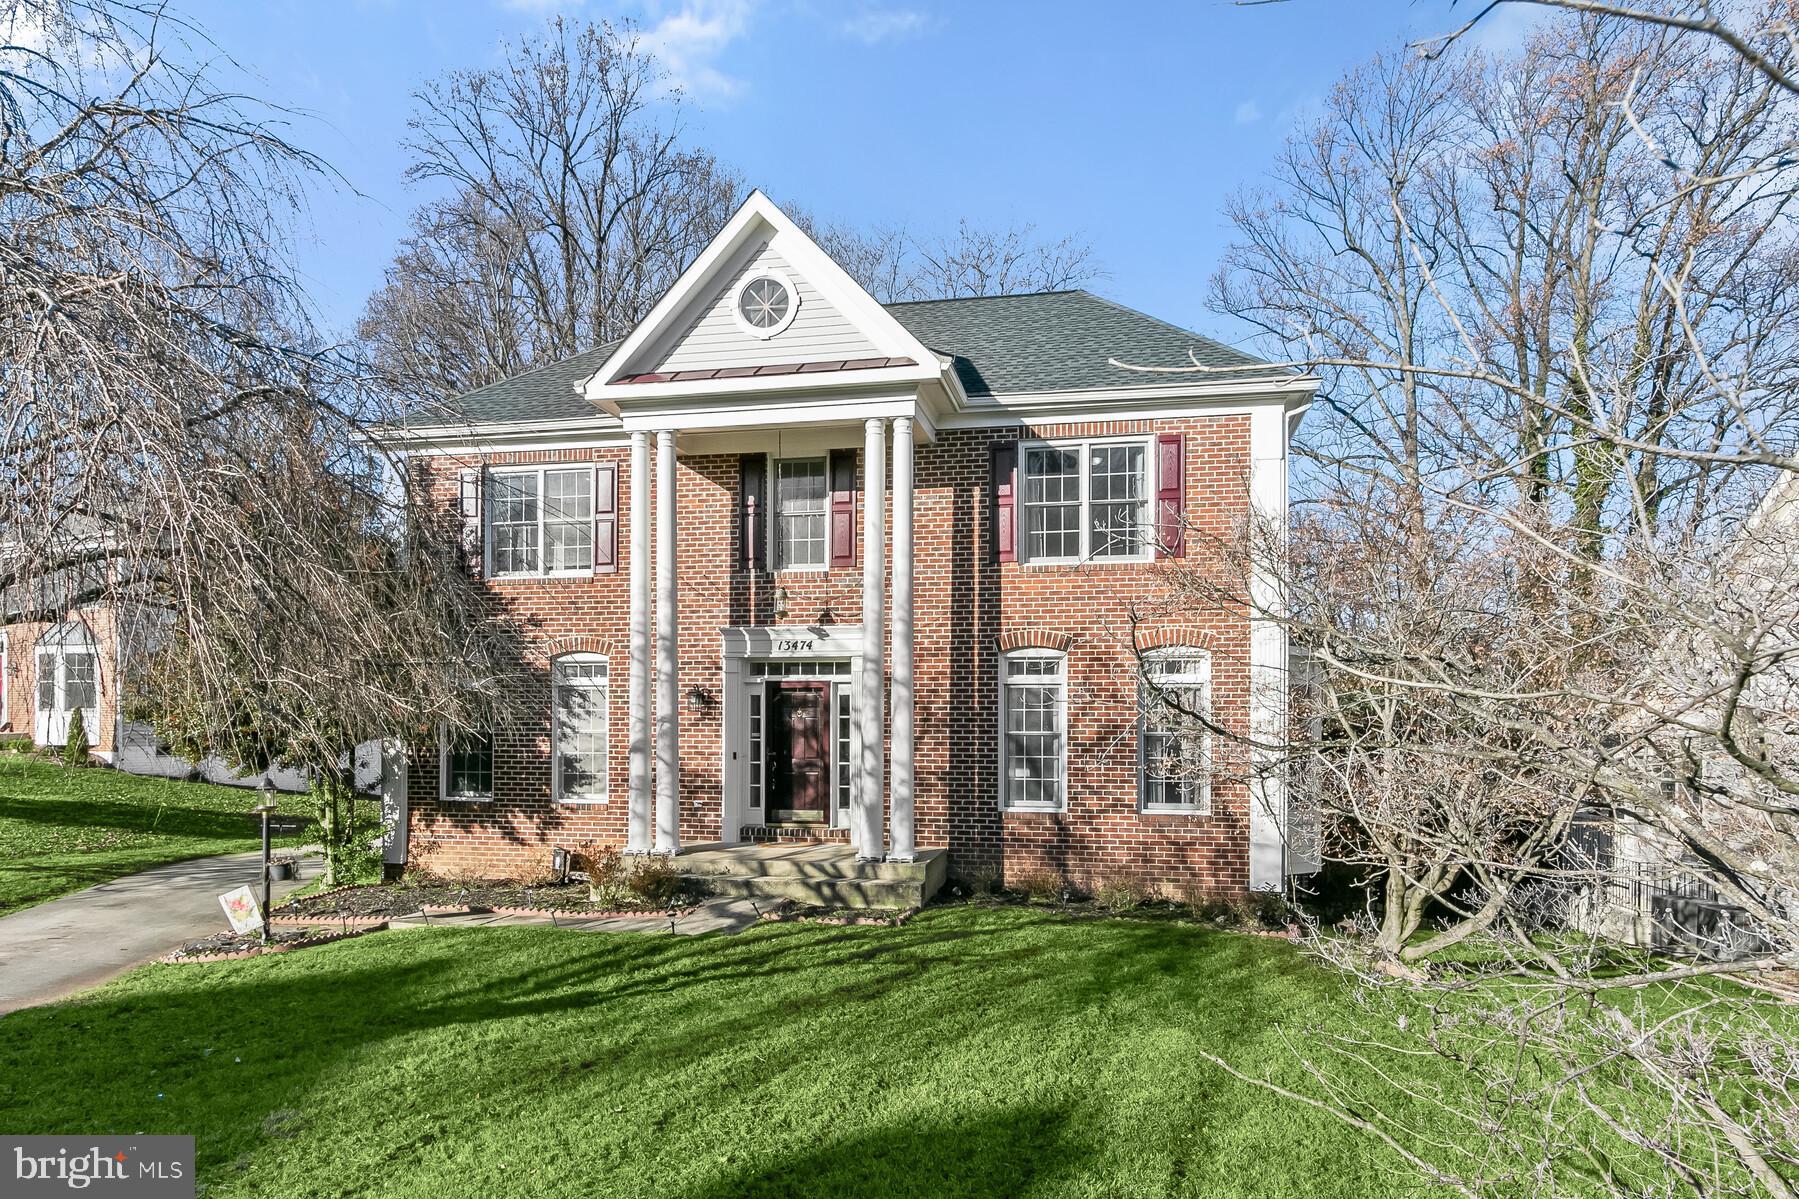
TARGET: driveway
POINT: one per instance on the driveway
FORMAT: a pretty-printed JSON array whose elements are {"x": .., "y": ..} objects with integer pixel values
[{"x": 79, "y": 941}]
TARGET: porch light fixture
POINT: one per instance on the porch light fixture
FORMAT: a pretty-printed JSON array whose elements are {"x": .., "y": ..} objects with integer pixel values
[
  {"x": 699, "y": 700},
  {"x": 777, "y": 607}
]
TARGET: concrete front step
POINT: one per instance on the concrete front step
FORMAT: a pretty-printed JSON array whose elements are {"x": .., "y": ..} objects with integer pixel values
[{"x": 826, "y": 875}]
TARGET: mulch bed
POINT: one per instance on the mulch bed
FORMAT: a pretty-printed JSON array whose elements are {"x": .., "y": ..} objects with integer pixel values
[
  {"x": 793, "y": 913},
  {"x": 350, "y": 906},
  {"x": 231, "y": 946}
]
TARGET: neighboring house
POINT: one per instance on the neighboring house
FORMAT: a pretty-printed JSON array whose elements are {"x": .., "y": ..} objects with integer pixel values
[
  {"x": 63, "y": 650},
  {"x": 897, "y": 554}
]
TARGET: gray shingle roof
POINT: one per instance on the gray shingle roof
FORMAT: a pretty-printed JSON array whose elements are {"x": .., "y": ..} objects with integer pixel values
[
  {"x": 1055, "y": 341},
  {"x": 1045, "y": 341}
]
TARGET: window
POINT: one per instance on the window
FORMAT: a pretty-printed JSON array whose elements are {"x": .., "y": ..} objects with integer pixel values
[
  {"x": 756, "y": 748},
  {"x": 79, "y": 686},
  {"x": 541, "y": 521},
  {"x": 1174, "y": 747},
  {"x": 1033, "y": 729},
  {"x": 1086, "y": 500},
  {"x": 578, "y": 728},
  {"x": 766, "y": 304},
  {"x": 843, "y": 753},
  {"x": 5, "y": 681},
  {"x": 46, "y": 682},
  {"x": 467, "y": 762},
  {"x": 802, "y": 496}
]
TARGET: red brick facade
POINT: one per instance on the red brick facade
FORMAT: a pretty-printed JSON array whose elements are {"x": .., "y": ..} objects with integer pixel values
[
  {"x": 20, "y": 678},
  {"x": 967, "y": 609}
]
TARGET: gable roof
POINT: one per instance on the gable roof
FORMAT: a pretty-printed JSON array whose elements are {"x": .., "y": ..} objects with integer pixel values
[{"x": 1042, "y": 341}]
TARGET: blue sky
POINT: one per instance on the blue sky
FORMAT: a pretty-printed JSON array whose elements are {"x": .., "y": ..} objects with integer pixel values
[{"x": 1128, "y": 124}]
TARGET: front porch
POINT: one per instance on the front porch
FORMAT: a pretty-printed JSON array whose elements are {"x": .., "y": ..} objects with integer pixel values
[{"x": 818, "y": 873}]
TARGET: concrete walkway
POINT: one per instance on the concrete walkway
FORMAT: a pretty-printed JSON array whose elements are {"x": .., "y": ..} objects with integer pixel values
[{"x": 67, "y": 945}]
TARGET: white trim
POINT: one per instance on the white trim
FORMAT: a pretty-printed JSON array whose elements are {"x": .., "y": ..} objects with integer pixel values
[
  {"x": 1082, "y": 445},
  {"x": 758, "y": 216},
  {"x": 604, "y": 687},
  {"x": 443, "y": 770},
  {"x": 1268, "y": 862},
  {"x": 5, "y": 679},
  {"x": 542, "y": 470},
  {"x": 1201, "y": 678},
  {"x": 1061, "y": 805},
  {"x": 774, "y": 275}
]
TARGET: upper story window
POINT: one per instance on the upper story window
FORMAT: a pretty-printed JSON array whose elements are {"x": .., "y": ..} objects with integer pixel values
[
  {"x": 802, "y": 498},
  {"x": 1174, "y": 699},
  {"x": 1033, "y": 733},
  {"x": 465, "y": 762},
  {"x": 540, "y": 521},
  {"x": 765, "y": 304},
  {"x": 1086, "y": 500}
]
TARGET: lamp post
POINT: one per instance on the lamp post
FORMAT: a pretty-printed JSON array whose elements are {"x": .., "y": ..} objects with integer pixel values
[{"x": 269, "y": 795}]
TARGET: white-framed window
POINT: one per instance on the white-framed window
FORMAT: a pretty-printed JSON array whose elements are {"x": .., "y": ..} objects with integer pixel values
[
  {"x": 1173, "y": 746},
  {"x": 1085, "y": 500},
  {"x": 578, "y": 727},
  {"x": 5, "y": 681},
  {"x": 465, "y": 762},
  {"x": 801, "y": 514},
  {"x": 540, "y": 521},
  {"x": 765, "y": 304},
  {"x": 1033, "y": 729}
]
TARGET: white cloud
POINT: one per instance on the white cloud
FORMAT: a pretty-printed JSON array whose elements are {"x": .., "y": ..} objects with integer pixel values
[
  {"x": 689, "y": 40},
  {"x": 874, "y": 24},
  {"x": 1248, "y": 113}
]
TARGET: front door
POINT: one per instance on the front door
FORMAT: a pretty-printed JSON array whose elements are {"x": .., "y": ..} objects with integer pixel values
[{"x": 799, "y": 752}]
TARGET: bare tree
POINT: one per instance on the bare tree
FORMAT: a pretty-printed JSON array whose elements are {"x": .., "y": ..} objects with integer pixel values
[
  {"x": 573, "y": 203},
  {"x": 173, "y": 439},
  {"x": 1541, "y": 574},
  {"x": 893, "y": 265}
]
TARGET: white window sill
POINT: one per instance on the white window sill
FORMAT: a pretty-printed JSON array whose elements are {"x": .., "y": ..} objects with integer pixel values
[
  {"x": 1134, "y": 560},
  {"x": 467, "y": 799},
  {"x": 540, "y": 577},
  {"x": 803, "y": 570},
  {"x": 568, "y": 801},
  {"x": 1166, "y": 810},
  {"x": 1017, "y": 807}
]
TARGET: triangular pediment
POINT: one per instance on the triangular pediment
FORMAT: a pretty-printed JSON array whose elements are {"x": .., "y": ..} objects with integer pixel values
[{"x": 761, "y": 302}]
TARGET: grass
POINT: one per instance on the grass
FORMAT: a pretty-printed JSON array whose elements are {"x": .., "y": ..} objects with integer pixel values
[
  {"x": 62, "y": 828},
  {"x": 975, "y": 1051}
]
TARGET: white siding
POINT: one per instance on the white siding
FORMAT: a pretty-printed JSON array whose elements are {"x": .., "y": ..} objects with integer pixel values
[{"x": 712, "y": 338}]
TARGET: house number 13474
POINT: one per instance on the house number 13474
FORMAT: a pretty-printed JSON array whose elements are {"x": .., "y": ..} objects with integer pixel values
[{"x": 797, "y": 647}]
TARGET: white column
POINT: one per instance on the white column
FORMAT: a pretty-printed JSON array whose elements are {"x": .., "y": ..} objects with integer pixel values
[
  {"x": 902, "y": 843},
  {"x": 866, "y": 831},
  {"x": 638, "y": 752},
  {"x": 668, "y": 657}
]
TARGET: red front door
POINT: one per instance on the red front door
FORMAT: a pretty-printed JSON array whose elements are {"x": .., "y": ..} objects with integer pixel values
[{"x": 799, "y": 752}]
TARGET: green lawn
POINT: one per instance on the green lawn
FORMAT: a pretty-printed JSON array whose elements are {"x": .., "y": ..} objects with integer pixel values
[
  {"x": 1004, "y": 1051},
  {"x": 63, "y": 829}
]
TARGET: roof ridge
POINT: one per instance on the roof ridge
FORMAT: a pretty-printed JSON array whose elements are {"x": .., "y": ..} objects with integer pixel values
[{"x": 1005, "y": 295}]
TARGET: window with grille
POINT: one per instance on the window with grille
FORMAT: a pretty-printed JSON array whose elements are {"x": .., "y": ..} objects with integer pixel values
[
  {"x": 802, "y": 500},
  {"x": 1173, "y": 743},
  {"x": 540, "y": 522},
  {"x": 1085, "y": 500},
  {"x": 1033, "y": 729},
  {"x": 467, "y": 763},
  {"x": 578, "y": 729},
  {"x": 80, "y": 688}
]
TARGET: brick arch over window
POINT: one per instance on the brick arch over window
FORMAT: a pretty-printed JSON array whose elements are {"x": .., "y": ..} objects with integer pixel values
[
  {"x": 1172, "y": 636},
  {"x": 585, "y": 643},
  {"x": 1034, "y": 639}
]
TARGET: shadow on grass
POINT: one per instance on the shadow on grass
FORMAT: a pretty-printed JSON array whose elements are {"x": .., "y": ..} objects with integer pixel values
[
  {"x": 162, "y": 819},
  {"x": 609, "y": 1011}
]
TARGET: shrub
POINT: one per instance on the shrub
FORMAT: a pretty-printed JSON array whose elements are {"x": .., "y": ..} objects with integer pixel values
[
  {"x": 1041, "y": 886},
  {"x": 655, "y": 882},
  {"x": 1122, "y": 892},
  {"x": 607, "y": 884},
  {"x": 74, "y": 749}
]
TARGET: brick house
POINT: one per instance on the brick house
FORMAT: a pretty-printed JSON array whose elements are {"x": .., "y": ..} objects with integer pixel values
[{"x": 896, "y": 554}]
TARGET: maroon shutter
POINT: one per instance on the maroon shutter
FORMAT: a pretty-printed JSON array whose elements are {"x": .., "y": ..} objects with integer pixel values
[
  {"x": 1005, "y": 502},
  {"x": 1171, "y": 495},
  {"x": 752, "y": 523},
  {"x": 605, "y": 520},
  {"x": 469, "y": 510},
  {"x": 843, "y": 507}
]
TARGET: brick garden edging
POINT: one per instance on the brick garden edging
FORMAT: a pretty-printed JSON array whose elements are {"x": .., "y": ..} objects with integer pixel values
[
  {"x": 341, "y": 921},
  {"x": 550, "y": 913},
  {"x": 177, "y": 959}
]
